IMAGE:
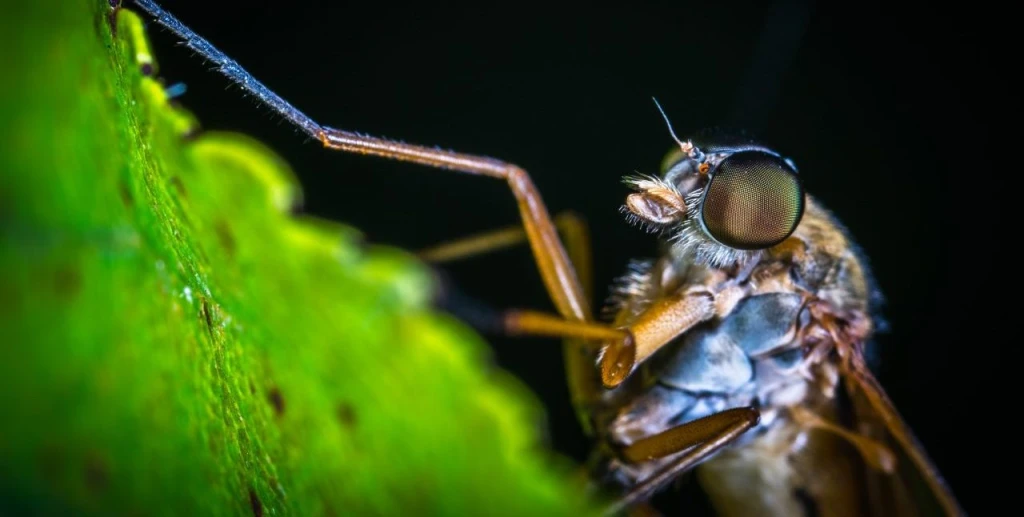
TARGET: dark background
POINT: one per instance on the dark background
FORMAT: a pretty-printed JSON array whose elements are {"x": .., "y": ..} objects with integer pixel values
[{"x": 887, "y": 113}]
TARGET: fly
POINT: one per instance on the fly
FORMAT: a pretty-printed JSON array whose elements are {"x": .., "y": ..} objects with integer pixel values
[{"x": 737, "y": 353}]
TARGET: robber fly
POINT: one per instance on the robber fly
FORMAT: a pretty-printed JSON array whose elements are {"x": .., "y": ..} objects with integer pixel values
[
  {"x": 753, "y": 322},
  {"x": 738, "y": 353}
]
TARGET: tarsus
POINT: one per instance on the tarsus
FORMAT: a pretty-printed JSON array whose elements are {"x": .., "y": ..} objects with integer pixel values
[{"x": 231, "y": 69}]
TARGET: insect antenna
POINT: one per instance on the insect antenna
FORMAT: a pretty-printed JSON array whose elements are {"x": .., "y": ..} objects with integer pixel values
[{"x": 687, "y": 146}]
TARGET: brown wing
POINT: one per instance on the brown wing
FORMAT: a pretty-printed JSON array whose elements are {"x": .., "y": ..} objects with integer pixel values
[{"x": 917, "y": 487}]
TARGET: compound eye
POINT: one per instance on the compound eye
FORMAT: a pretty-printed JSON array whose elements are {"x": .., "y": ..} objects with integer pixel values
[{"x": 753, "y": 201}]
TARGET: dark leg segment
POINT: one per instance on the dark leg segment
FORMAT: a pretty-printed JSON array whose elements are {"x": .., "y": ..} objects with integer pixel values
[{"x": 699, "y": 438}]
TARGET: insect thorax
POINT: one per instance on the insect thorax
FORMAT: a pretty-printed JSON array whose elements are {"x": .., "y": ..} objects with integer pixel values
[{"x": 752, "y": 353}]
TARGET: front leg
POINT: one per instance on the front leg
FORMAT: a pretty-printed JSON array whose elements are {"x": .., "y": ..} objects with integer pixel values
[
  {"x": 625, "y": 348},
  {"x": 559, "y": 276},
  {"x": 657, "y": 326}
]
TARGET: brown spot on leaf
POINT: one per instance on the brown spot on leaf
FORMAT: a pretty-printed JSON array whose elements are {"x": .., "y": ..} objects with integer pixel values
[
  {"x": 328, "y": 508},
  {"x": 225, "y": 237},
  {"x": 126, "y": 194},
  {"x": 215, "y": 440},
  {"x": 276, "y": 400},
  {"x": 254, "y": 501},
  {"x": 97, "y": 476},
  {"x": 206, "y": 313},
  {"x": 346, "y": 415},
  {"x": 67, "y": 281},
  {"x": 179, "y": 186}
]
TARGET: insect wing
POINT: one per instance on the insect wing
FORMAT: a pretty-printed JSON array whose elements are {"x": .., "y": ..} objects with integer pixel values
[{"x": 917, "y": 487}]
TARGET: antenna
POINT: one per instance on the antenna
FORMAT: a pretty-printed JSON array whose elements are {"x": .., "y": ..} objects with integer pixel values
[
  {"x": 670, "y": 130},
  {"x": 687, "y": 147}
]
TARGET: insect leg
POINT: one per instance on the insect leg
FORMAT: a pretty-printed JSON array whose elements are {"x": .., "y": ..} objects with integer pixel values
[
  {"x": 699, "y": 438},
  {"x": 467, "y": 247},
  {"x": 571, "y": 226},
  {"x": 559, "y": 276},
  {"x": 653, "y": 329},
  {"x": 657, "y": 326},
  {"x": 557, "y": 272},
  {"x": 875, "y": 454},
  {"x": 580, "y": 355},
  {"x": 532, "y": 323}
]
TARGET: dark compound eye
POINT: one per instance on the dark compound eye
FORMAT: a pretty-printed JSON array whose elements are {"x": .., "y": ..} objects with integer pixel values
[{"x": 754, "y": 201}]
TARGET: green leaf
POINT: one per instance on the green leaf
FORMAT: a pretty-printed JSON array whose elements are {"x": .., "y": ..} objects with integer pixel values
[{"x": 176, "y": 342}]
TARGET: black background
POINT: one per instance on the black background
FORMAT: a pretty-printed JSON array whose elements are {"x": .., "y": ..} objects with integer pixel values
[{"x": 887, "y": 113}]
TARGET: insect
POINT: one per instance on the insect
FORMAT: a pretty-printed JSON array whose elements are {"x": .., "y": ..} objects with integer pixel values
[{"x": 738, "y": 353}]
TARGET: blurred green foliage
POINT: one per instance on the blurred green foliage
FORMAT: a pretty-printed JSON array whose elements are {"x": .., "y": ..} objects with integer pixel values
[{"x": 175, "y": 342}]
